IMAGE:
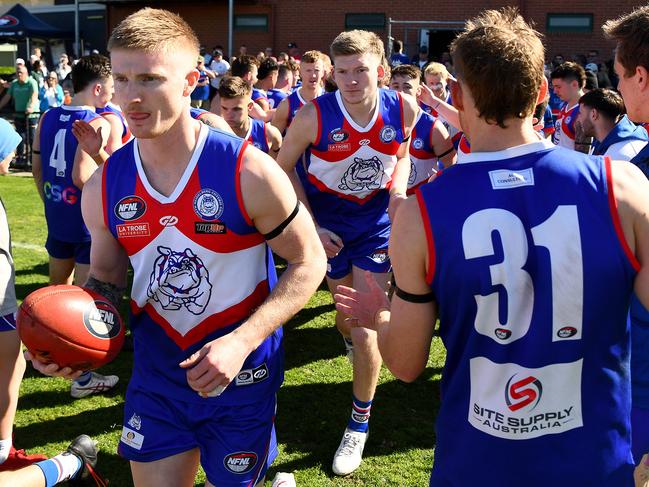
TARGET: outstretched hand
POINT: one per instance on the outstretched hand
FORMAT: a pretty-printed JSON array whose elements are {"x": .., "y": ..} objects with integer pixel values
[
  {"x": 89, "y": 139},
  {"x": 362, "y": 305}
]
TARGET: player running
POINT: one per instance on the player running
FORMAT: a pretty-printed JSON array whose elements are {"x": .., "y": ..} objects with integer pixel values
[
  {"x": 356, "y": 169},
  {"x": 312, "y": 72}
]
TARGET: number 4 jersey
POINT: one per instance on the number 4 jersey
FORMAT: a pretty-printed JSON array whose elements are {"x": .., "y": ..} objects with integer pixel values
[
  {"x": 533, "y": 278},
  {"x": 62, "y": 197}
]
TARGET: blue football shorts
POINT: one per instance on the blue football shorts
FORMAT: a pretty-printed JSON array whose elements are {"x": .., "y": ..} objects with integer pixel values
[
  {"x": 370, "y": 254},
  {"x": 237, "y": 443},
  {"x": 67, "y": 250}
]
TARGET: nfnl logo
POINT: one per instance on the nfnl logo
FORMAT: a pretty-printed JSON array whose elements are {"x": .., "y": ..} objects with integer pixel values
[
  {"x": 522, "y": 394},
  {"x": 101, "y": 321},
  {"x": 240, "y": 462},
  {"x": 130, "y": 208}
]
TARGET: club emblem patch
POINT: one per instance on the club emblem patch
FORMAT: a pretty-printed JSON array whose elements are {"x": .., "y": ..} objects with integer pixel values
[{"x": 208, "y": 204}]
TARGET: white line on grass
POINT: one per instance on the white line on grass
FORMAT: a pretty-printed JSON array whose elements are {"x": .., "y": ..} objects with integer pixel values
[{"x": 28, "y": 246}]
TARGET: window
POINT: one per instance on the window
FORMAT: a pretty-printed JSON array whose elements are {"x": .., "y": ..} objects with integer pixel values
[
  {"x": 251, "y": 22},
  {"x": 365, "y": 21},
  {"x": 570, "y": 23}
]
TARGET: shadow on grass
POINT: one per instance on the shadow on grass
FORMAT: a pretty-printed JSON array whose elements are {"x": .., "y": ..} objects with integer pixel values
[{"x": 312, "y": 417}]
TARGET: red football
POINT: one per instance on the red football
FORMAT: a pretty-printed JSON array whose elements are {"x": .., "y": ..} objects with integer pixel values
[{"x": 70, "y": 326}]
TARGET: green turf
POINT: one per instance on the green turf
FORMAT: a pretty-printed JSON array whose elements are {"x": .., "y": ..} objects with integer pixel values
[{"x": 313, "y": 404}]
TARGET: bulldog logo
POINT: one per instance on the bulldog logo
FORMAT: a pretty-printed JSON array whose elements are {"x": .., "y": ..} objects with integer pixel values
[
  {"x": 363, "y": 174},
  {"x": 180, "y": 280}
]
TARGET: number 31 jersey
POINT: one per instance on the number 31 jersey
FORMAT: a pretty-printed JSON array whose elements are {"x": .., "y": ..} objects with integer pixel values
[
  {"x": 62, "y": 197},
  {"x": 533, "y": 279}
]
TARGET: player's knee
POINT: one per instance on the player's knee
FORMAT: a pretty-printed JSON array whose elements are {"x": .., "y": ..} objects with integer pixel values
[
  {"x": 343, "y": 324},
  {"x": 364, "y": 339}
]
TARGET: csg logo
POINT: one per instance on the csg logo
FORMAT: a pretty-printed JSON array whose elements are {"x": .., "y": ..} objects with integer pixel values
[
  {"x": 240, "y": 462},
  {"x": 523, "y": 392},
  {"x": 130, "y": 208}
]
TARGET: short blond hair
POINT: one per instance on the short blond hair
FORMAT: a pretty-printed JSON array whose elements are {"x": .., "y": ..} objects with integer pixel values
[
  {"x": 436, "y": 69},
  {"x": 357, "y": 42},
  {"x": 312, "y": 57},
  {"x": 152, "y": 30}
]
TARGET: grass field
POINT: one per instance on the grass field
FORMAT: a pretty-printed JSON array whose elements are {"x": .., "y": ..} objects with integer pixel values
[{"x": 314, "y": 402}]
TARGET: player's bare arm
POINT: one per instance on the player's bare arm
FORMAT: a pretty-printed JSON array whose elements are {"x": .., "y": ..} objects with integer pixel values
[
  {"x": 274, "y": 140},
  {"x": 37, "y": 165},
  {"x": 443, "y": 145},
  {"x": 114, "y": 141},
  {"x": 302, "y": 133},
  {"x": 257, "y": 112},
  {"x": 631, "y": 190},
  {"x": 85, "y": 163},
  {"x": 449, "y": 112},
  {"x": 399, "y": 184},
  {"x": 215, "y": 121},
  {"x": 280, "y": 118},
  {"x": 270, "y": 203}
]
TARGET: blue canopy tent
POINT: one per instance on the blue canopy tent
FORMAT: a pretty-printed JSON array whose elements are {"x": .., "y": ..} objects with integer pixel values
[{"x": 18, "y": 24}]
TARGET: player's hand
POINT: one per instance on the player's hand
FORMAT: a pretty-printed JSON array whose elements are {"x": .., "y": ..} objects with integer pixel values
[
  {"x": 395, "y": 200},
  {"x": 641, "y": 473},
  {"x": 362, "y": 306},
  {"x": 427, "y": 97},
  {"x": 52, "y": 369},
  {"x": 331, "y": 242},
  {"x": 89, "y": 139},
  {"x": 213, "y": 367}
]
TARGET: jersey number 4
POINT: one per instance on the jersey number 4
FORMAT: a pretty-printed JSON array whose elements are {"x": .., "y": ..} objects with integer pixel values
[
  {"x": 57, "y": 157},
  {"x": 560, "y": 236}
]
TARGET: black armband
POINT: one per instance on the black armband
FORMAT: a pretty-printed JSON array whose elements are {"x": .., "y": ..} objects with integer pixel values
[
  {"x": 35, "y": 151},
  {"x": 445, "y": 153},
  {"x": 108, "y": 290},
  {"x": 280, "y": 228},
  {"x": 406, "y": 139},
  {"x": 414, "y": 298}
]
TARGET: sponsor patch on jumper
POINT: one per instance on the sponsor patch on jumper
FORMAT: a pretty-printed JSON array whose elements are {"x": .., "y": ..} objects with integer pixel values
[
  {"x": 211, "y": 228},
  {"x": 126, "y": 230},
  {"x": 506, "y": 179},
  {"x": 339, "y": 147},
  {"x": 130, "y": 208},
  {"x": 518, "y": 403}
]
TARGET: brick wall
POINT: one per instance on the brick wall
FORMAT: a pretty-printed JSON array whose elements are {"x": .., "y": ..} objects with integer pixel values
[{"x": 312, "y": 24}]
